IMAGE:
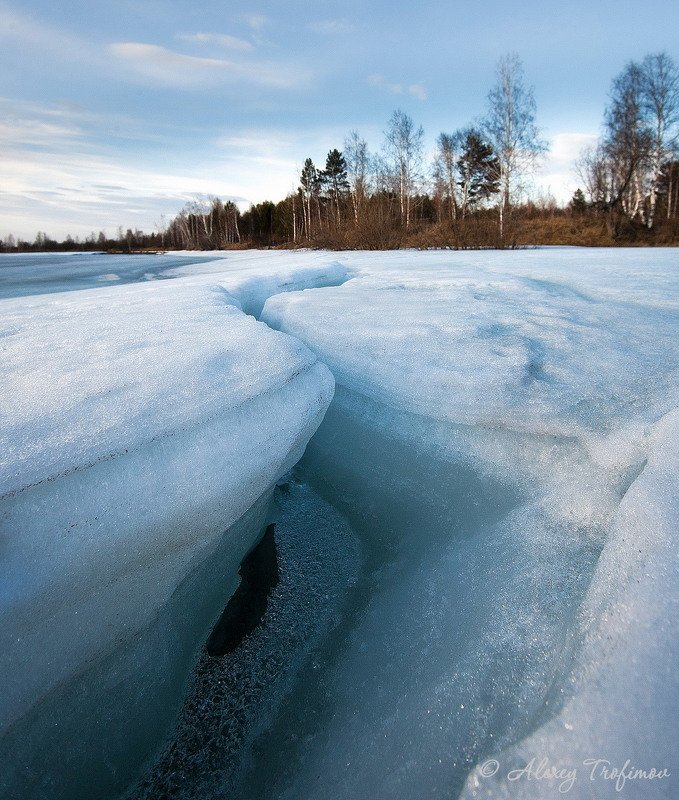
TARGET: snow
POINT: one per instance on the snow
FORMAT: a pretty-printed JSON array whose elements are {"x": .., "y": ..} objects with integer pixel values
[
  {"x": 253, "y": 274},
  {"x": 498, "y": 345}
]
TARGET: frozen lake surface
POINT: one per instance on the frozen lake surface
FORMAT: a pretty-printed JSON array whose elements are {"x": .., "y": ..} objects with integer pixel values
[
  {"x": 23, "y": 274},
  {"x": 476, "y": 552}
]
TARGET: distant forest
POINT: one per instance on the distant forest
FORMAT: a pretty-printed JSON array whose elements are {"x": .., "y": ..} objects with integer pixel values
[{"x": 472, "y": 195}]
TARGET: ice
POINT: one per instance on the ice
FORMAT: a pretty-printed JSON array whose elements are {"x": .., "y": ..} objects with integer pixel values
[
  {"x": 493, "y": 418},
  {"x": 621, "y": 701},
  {"x": 138, "y": 424},
  {"x": 495, "y": 347},
  {"x": 255, "y": 276},
  {"x": 502, "y": 441},
  {"x": 250, "y": 276},
  {"x": 24, "y": 274},
  {"x": 233, "y": 699}
]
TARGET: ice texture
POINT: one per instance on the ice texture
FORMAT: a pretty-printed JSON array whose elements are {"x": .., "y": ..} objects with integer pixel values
[
  {"x": 499, "y": 419},
  {"x": 233, "y": 699},
  {"x": 620, "y": 700},
  {"x": 477, "y": 341},
  {"x": 142, "y": 429}
]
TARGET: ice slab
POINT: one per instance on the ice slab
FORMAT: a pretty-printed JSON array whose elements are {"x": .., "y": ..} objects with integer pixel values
[
  {"x": 514, "y": 398},
  {"x": 138, "y": 424},
  {"x": 474, "y": 344},
  {"x": 548, "y": 372}
]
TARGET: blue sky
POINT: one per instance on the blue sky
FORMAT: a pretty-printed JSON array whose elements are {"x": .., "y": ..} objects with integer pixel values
[{"x": 117, "y": 113}]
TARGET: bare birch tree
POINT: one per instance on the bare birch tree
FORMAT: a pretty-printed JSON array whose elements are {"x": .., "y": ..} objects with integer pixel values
[
  {"x": 403, "y": 147},
  {"x": 445, "y": 171},
  {"x": 358, "y": 166},
  {"x": 510, "y": 128},
  {"x": 660, "y": 99}
]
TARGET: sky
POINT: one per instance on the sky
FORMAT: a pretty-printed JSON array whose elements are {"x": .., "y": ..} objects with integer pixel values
[{"x": 117, "y": 113}]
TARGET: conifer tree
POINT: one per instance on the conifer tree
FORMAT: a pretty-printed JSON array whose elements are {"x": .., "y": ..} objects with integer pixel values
[
  {"x": 335, "y": 179},
  {"x": 479, "y": 169},
  {"x": 310, "y": 185},
  {"x": 578, "y": 203}
]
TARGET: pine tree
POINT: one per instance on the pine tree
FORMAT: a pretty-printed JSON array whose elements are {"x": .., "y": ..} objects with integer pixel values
[
  {"x": 479, "y": 169},
  {"x": 310, "y": 185},
  {"x": 334, "y": 177},
  {"x": 578, "y": 203}
]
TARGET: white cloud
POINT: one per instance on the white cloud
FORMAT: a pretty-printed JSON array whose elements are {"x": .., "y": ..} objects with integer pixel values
[
  {"x": 279, "y": 148},
  {"x": 417, "y": 90},
  {"x": 257, "y": 142},
  {"x": 169, "y": 68},
  {"x": 565, "y": 148},
  {"x": 73, "y": 184},
  {"x": 23, "y": 30},
  {"x": 58, "y": 125},
  {"x": 77, "y": 191},
  {"x": 32, "y": 132},
  {"x": 557, "y": 174},
  {"x": 221, "y": 39},
  {"x": 379, "y": 82}
]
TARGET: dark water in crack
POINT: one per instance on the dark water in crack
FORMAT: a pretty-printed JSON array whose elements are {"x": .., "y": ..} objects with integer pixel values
[
  {"x": 233, "y": 698},
  {"x": 245, "y": 610}
]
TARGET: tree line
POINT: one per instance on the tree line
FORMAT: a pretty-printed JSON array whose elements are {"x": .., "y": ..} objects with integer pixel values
[
  {"x": 472, "y": 193},
  {"x": 632, "y": 173}
]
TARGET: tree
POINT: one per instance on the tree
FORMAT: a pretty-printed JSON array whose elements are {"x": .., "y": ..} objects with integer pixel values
[
  {"x": 358, "y": 164},
  {"x": 403, "y": 146},
  {"x": 660, "y": 103},
  {"x": 334, "y": 177},
  {"x": 509, "y": 127},
  {"x": 669, "y": 187},
  {"x": 578, "y": 203},
  {"x": 593, "y": 167},
  {"x": 627, "y": 142},
  {"x": 259, "y": 223},
  {"x": 310, "y": 186},
  {"x": 627, "y": 171},
  {"x": 445, "y": 171},
  {"x": 478, "y": 168}
]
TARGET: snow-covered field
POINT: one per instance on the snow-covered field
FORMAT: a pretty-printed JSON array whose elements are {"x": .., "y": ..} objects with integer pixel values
[{"x": 502, "y": 446}]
